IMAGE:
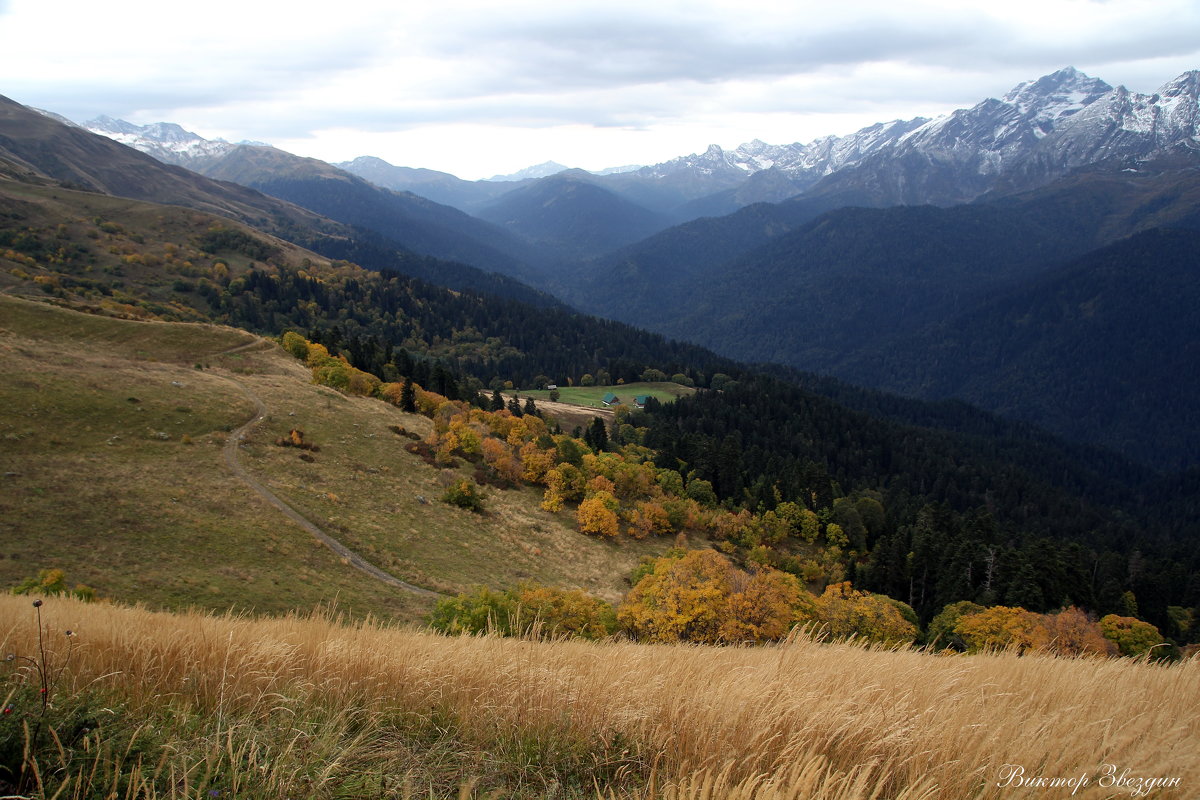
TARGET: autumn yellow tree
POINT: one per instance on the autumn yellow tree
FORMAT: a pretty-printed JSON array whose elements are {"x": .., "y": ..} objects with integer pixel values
[
  {"x": 699, "y": 596},
  {"x": 766, "y": 608},
  {"x": 536, "y": 462},
  {"x": 846, "y": 611},
  {"x": 563, "y": 483},
  {"x": 1003, "y": 627},
  {"x": 683, "y": 599},
  {"x": 469, "y": 439},
  {"x": 597, "y": 515}
]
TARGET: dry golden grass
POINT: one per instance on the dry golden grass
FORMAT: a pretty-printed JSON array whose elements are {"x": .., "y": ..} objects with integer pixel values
[{"x": 311, "y": 707}]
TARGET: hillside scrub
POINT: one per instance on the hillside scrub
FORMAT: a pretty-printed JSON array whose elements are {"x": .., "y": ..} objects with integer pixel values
[
  {"x": 159, "y": 705},
  {"x": 614, "y": 484}
]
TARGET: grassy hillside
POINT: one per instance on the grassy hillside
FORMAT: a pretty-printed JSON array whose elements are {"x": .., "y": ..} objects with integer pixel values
[
  {"x": 113, "y": 471},
  {"x": 193, "y": 706}
]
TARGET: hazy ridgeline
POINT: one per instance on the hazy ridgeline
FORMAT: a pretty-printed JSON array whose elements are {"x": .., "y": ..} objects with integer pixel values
[{"x": 161, "y": 705}]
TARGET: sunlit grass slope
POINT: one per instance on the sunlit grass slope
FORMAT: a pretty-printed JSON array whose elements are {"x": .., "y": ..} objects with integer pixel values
[
  {"x": 112, "y": 470},
  {"x": 308, "y": 707}
]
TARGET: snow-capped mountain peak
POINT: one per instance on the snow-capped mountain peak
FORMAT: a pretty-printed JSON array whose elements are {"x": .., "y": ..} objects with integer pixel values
[
  {"x": 57, "y": 117},
  {"x": 1052, "y": 97},
  {"x": 1187, "y": 84},
  {"x": 166, "y": 141}
]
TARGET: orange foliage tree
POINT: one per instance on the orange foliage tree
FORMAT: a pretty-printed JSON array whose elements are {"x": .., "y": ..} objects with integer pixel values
[
  {"x": 1073, "y": 632},
  {"x": 648, "y": 519},
  {"x": 1002, "y": 627}
]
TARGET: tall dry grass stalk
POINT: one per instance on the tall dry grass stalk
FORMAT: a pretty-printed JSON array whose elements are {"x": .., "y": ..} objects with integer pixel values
[{"x": 312, "y": 707}]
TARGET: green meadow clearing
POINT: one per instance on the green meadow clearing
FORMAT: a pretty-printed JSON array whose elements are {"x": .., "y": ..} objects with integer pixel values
[{"x": 593, "y": 396}]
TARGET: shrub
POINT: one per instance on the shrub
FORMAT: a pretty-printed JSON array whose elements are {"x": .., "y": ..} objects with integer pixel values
[
  {"x": 546, "y": 611},
  {"x": 464, "y": 493},
  {"x": 481, "y": 611},
  {"x": 527, "y": 610},
  {"x": 53, "y": 583},
  {"x": 295, "y": 344},
  {"x": 1132, "y": 636}
]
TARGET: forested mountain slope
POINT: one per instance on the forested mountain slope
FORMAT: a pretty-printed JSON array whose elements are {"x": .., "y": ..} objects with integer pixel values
[
  {"x": 35, "y": 144},
  {"x": 419, "y": 225},
  {"x": 1104, "y": 349}
]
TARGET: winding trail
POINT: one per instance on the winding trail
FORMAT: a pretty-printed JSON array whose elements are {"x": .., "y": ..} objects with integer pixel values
[{"x": 339, "y": 549}]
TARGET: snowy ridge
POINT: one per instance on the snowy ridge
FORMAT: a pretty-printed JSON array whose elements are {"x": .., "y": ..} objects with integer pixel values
[
  {"x": 1057, "y": 122},
  {"x": 1130, "y": 125},
  {"x": 166, "y": 141}
]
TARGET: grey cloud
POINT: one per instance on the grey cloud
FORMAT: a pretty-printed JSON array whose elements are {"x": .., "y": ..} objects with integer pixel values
[
  {"x": 590, "y": 68},
  {"x": 206, "y": 79},
  {"x": 567, "y": 56},
  {"x": 576, "y": 51}
]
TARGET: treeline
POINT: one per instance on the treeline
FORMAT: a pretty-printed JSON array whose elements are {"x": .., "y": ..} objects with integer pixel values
[
  {"x": 701, "y": 596},
  {"x": 942, "y": 557},
  {"x": 962, "y": 524}
]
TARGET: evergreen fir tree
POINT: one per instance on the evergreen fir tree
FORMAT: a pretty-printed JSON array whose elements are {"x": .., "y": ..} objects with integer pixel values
[
  {"x": 408, "y": 396},
  {"x": 597, "y": 435}
]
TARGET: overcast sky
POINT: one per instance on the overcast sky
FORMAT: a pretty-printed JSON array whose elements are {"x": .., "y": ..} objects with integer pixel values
[{"x": 478, "y": 88}]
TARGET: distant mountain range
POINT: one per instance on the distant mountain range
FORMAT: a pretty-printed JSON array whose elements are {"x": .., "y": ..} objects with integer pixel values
[
  {"x": 900, "y": 256},
  {"x": 1039, "y": 130},
  {"x": 900, "y": 298},
  {"x": 543, "y": 170}
]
